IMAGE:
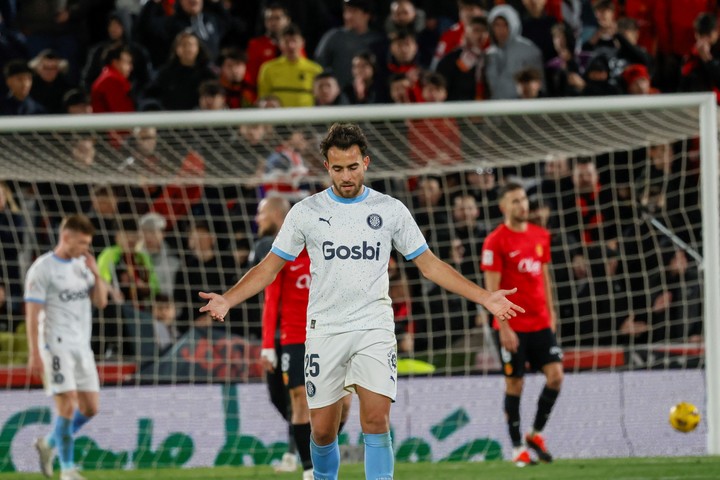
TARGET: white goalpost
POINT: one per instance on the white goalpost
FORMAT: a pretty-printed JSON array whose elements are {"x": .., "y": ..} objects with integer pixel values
[{"x": 204, "y": 172}]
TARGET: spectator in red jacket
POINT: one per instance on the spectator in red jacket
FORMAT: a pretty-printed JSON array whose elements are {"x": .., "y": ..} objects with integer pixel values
[
  {"x": 233, "y": 70},
  {"x": 111, "y": 90},
  {"x": 265, "y": 47},
  {"x": 453, "y": 37}
]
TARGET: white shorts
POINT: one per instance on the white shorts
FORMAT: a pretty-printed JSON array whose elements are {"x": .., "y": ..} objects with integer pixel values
[
  {"x": 69, "y": 369},
  {"x": 335, "y": 364}
]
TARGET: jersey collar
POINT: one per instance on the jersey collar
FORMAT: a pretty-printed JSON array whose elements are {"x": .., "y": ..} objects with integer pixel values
[
  {"x": 60, "y": 259},
  {"x": 358, "y": 199}
]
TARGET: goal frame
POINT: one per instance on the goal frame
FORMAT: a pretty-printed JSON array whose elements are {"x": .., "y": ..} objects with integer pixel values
[{"x": 710, "y": 171}]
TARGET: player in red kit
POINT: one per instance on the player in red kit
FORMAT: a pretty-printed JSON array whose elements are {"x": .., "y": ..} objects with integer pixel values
[
  {"x": 286, "y": 300},
  {"x": 517, "y": 253}
]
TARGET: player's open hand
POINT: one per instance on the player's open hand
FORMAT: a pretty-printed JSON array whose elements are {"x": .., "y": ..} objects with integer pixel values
[
  {"x": 502, "y": 308},
  {"x": 217, "y": 306}
]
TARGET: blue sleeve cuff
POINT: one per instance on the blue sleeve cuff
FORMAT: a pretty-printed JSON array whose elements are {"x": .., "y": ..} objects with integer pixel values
[
  {"x": 283, "y": 255},
  {"x": 417, "y": 252},
  {"x": 34, "y": 300}
]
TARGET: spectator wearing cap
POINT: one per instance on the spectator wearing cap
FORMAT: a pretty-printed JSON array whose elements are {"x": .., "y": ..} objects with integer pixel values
[
  {"x": 19, "y": 80},
  {"x": 76, "y": 101},
  {"x": 339, "y": 45},
  {"x": 117, "y": 32},
  {"x": 510, "y": 52},
  {"x": 211, "y": 96},
  {"x": 637, "y": 80},
  {"x": 233, "y": 74},
  {"x": 152, "y": 242},
  {"x": 50, "y": 81},
  {"x": 464, "y": 67},
  {"x": 701, "y": 69},
  {"x": 290, "y": 76},
  {"x": 111, "y": 90},
  {"x": 597, "y": 78},
  {"x": 453, "y": 37}
]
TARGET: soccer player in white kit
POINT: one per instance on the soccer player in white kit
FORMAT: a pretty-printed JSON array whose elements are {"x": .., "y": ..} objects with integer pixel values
[
  {"x": 59, "y": 288},
  {"x": 349, "y": 231}
]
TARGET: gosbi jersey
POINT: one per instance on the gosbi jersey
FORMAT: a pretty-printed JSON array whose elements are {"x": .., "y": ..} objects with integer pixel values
[
  {"x": 286, "y": 301},
  {"x": 519, "y": 257},
  {"x": 63, "y": 287},
  {"x": 349, "y": 242}
]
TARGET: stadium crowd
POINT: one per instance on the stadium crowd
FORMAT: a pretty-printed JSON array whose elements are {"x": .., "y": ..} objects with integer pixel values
[{"x": 158, "y": 245}]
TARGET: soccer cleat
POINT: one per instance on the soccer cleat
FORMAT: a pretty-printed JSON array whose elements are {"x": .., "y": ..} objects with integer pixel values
[
  {"x": 537, "y": 443},
  {"x": 308, "y": 475},
  {"x": 288, "y": 463},
  {"x": 522, "y": 459},
  {"x": 71, "y": 475},
  {"x": 45, "y": 453}
]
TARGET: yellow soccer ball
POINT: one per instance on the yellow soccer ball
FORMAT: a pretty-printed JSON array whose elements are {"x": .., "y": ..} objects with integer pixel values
[{"x": 684, "y": 417}]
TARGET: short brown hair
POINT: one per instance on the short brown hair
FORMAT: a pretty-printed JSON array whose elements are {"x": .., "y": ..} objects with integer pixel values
[
  {"x": 527, "y": 75},
  {"x": 78, "y": 223},
  {"x": 344, "y": 136},
  {"x": 509, "y": 187}
]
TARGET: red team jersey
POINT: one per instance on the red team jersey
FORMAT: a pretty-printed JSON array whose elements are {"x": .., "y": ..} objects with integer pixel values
[
  {"x": 519, "y": 258},
  {"x": 286, "y": 300}
]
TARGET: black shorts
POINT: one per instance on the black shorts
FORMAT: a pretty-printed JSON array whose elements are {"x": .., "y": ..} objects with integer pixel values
[
  {"x": 535, "y": 348},
  {"x": 292, "y": 365}
]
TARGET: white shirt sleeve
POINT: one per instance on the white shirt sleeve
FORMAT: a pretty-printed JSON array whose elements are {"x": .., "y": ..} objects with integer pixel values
[
  {"x": 36, "y": 284},
  {"x": 290, "y": 241},
  {"x": 407, "y": 237}
]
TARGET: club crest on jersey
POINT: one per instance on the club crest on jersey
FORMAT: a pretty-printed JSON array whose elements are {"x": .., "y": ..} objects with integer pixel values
[
  {"x": 392, "y": 360},
  {"x": 374, "y": 221},
  {"x": 310, "y": 387},
  {"x": 539, "y": 250}
]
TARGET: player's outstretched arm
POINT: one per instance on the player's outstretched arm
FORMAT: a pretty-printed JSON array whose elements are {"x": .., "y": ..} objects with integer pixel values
[
  {"x": 252, "y": 283},
  {"x": 447, "y": 277}
]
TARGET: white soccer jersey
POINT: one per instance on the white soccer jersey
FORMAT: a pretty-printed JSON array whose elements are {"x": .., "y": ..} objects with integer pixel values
[
  {"x": 63, "y": 287},
  {"x": 349, "y": 243}
]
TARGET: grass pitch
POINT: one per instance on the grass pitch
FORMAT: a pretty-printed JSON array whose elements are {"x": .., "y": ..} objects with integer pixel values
[{"x": 660, "y": 468}]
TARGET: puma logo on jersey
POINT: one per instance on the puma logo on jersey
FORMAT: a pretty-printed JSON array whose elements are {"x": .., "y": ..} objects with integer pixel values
[{"x": 326, "y": 220}]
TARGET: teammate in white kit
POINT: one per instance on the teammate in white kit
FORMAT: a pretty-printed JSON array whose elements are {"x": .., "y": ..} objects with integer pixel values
[
  {"x": 349, "y": 230},
  {"x": 59, "y": 288}
]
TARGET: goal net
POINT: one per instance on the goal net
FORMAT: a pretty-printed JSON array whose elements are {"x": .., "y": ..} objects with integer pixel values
[{"x": 616, "y": 181}]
